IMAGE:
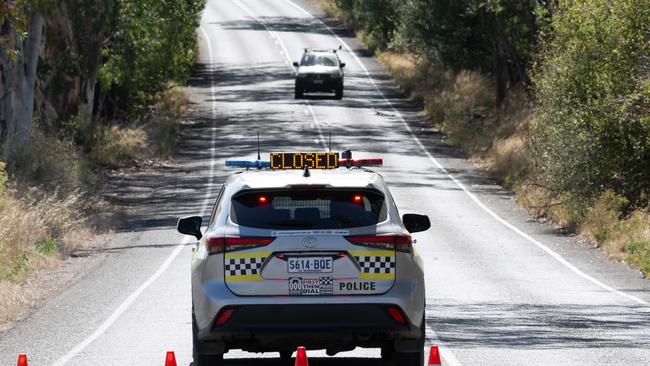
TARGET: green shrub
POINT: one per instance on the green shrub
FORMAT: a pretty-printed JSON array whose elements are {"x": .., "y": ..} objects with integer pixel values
[{"x": 592, "y": 129}]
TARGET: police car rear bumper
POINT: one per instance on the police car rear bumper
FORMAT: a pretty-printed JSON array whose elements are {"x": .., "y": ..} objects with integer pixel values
[{"x": 316, "y": 326}]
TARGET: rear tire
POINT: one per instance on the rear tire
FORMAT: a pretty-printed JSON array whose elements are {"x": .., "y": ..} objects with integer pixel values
[
  {"x": 339, "y": 93},
  {"x": 411, "y": 358},
  {"x": 199, "y": 358}
]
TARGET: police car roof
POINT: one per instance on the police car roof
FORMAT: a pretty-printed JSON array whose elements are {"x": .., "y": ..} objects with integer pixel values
[{"x": 266, "y": 178}]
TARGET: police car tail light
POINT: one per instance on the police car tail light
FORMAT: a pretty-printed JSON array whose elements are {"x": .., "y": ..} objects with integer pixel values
[
  {"x": 219, "y": 245},
  {"x": 401, "y": 243},
  {"x": 397, "y": 315}
]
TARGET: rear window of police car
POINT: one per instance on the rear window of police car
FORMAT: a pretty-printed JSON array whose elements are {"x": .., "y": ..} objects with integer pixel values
[{"x": 309, "y": 208}]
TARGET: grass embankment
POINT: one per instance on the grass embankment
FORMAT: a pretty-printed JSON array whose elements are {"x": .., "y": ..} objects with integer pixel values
[
  {"x": 498, "y": 140},
  {"x": 51, "y": 205}
]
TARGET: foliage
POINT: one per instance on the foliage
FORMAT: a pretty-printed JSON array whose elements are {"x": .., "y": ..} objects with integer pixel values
[
  {"x": 593, "y": 90},
  {"x": 153, "y": 43}
]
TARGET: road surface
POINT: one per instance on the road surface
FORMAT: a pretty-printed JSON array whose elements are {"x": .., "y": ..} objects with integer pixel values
[{"x": 501, "y": 288}]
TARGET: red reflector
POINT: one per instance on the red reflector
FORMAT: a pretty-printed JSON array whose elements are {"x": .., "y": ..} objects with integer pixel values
[
  {"x": 223, "y": 317},
  {"x": 357, "y": 198},
  {"x": 396, "y": 314}
]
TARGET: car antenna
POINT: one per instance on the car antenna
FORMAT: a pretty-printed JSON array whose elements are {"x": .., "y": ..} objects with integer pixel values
[
  {"x": 259, "y": 157},
  {"x": 330, "y": 139}
]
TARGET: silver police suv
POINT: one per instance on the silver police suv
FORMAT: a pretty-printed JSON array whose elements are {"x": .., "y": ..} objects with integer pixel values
[{"x": 314, "y": 258}]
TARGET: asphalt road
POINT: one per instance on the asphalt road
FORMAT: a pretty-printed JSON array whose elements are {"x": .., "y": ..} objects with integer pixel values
[{"x": 501, "y": 288}]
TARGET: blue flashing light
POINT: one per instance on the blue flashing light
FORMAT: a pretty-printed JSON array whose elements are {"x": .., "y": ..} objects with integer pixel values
[{"x": 249, "y": 163}]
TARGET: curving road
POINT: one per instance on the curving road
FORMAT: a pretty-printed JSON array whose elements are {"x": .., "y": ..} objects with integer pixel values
[{"x": 501, "y": 288}]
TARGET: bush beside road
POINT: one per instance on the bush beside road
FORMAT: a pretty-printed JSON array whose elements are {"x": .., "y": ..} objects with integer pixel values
[
  {"x": 552, "y": 100},
  {"x": 98, "y": 91}
]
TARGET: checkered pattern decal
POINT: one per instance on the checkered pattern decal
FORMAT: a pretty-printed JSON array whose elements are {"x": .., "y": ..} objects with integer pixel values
[
  {"x": 376, "y": 264},
  {"x": 243, "y": 266}
]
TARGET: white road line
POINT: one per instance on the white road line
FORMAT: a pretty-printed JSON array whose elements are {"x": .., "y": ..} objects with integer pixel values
[
  {"x": 286, "y": 55},
  {"x": 471, "y": 195},
  {"x": 79, "y": 347}
]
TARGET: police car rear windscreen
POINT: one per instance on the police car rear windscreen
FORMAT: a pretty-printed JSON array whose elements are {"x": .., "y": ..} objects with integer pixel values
[{"x": 308, "y": 208}]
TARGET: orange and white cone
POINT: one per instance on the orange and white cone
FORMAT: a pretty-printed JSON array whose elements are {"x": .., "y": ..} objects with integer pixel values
[
  {"x": 301, "y": 357},
  {"x": 434, "y": 356},
  {"x": 22, "y": 360},
  {"x": 170, "y": 359}
]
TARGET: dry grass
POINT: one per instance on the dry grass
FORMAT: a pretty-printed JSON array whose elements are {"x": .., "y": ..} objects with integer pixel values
[
  {"x": 164, "y": 125},
  {"x": 35, "y": 232},
  {"x": 329, "y": 8},
  {"x": 156, "y": 137},
  {"x": 118, "y": 146}
]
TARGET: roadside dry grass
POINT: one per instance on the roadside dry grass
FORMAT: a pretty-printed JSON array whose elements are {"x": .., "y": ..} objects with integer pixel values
[
  {"x": 153, "y": 137},
  {"x": 49, "y": 206},
  {"x": 462, "y": 104}
]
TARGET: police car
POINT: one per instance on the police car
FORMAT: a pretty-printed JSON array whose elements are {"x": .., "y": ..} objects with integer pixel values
[
  {"x": 319, "y": 71},
  {"x": 307, "y": 249}
]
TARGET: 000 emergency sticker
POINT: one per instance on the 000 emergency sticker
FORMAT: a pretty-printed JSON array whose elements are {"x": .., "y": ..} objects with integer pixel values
[{"x": 311, "y": 286}]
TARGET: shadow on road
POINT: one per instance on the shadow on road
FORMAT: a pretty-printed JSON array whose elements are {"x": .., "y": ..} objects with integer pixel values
[{"x": 529, "y": 326}]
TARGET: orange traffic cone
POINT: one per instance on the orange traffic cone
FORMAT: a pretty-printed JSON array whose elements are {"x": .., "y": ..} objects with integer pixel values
[
  {"x": 170, "y": 360},
  {"x": 22, "y": 360},
  {"x": 434, "y": 356},
  {"x": 301, "y": 357}
]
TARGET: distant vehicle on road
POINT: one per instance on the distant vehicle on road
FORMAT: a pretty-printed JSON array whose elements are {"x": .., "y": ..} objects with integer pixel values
[
  {"x": 301, "y": 253},
  {"x": 319, "y": 71}
]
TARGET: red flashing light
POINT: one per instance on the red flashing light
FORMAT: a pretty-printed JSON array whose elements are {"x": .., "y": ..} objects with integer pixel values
[
  {"x": 397, "y": 315},
  {"x": 223, "y": 317},
  {"x": 263, "y": 200},
  {"x": 362, "y": 162},
  {"x": 357, "y": 198},
  {"x": 220, "y": 244}
]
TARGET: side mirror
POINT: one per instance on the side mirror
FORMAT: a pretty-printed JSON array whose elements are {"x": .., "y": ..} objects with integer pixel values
[
  {"x": 342, "y": 64},
  {"x": 416, "y": 223},
  {"x": 190, "y": 226},
  {"x": 295, "y": 64}
]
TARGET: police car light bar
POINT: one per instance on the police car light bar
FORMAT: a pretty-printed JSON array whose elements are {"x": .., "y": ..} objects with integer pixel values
[
  {"x": 305, "y": 160},
  {"x": 362, "y": 162},
  {"x": 249, "y": 163}
]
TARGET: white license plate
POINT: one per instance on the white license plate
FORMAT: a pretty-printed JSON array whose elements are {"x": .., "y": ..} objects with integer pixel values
[
  {"x": 310, "y": 264},
  {"x": 318, "y": 81}
]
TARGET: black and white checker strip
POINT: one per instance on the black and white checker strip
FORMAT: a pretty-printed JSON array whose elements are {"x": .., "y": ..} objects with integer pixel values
[
  {"x": 243, "y": 266},
  {"x": 376, "y": 264}
]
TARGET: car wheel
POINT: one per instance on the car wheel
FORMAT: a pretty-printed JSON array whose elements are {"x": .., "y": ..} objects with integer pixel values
[
  {"x": 411, "y": 358},
  {"x": 299, "y": 93},
  {"x": 339, "y": 93},
  {"x": 199, "y": 358}
]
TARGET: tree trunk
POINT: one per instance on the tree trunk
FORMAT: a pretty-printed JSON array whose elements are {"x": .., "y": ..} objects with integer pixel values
[{"x": 25, "y": 86}]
